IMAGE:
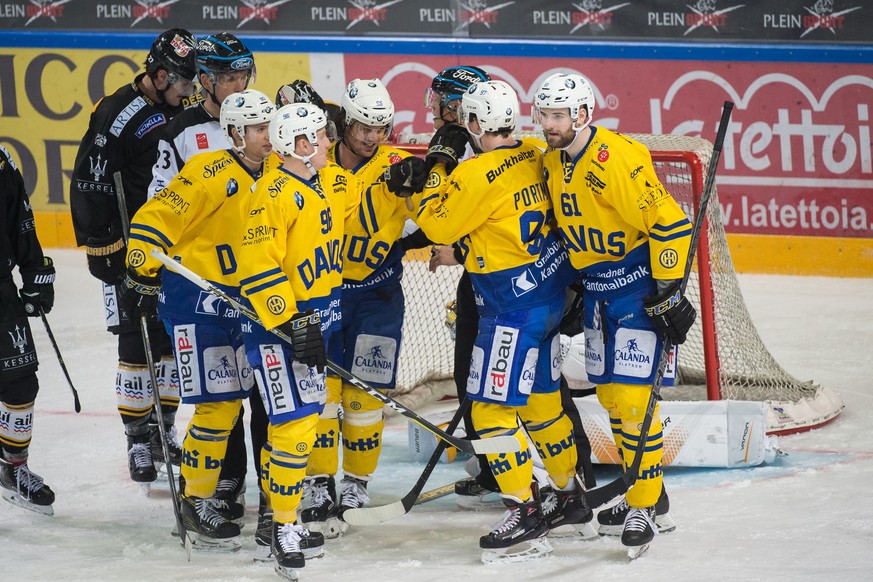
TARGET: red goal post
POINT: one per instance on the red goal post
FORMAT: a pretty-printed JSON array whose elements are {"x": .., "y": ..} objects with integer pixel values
[{"x": 723, "y": 358}]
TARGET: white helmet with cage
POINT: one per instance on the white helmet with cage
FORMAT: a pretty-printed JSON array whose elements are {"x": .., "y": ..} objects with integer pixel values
[
  {"x": 495, "y": 105},
  {"x": 565, "y": 90},
  {"x": 293, "y": 120},
  {"x": 367, "y": 101},
  {"x": 249, "y": 107}
]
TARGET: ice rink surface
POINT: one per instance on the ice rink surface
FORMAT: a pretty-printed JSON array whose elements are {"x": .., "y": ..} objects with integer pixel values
[{"x": 807, "y": 516}]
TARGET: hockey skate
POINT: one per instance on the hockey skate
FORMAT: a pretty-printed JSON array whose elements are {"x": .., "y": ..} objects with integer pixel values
[
  {"x": 139, "y": 461},
  {"x": 173, "y": 444},
  {"x": 322, "y": 511},
  {"x": 214, "y": 532},
  {"x": 264, "y": 530},
  {"x": 354, "y": 495},
  {"x": 520, "y": 534},
  {"x": 639, "y": 531},
  {"x": 611, "y": 521},
  {"x": 22, "y": 487},
  {"x": 567, "y": 513},
  {"x": 292, "y": 545},
  {"x": 230, "y": 499}
]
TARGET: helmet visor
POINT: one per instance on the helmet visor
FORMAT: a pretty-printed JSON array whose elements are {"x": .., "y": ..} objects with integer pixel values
[
  {"x": 368, "y": 133},
  {"x": 185, "y": 87}
]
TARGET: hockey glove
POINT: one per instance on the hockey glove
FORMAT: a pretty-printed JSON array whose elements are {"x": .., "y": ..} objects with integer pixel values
[
  {"x": 38, "y": 288},
  {"x": 304, "y": 329},
  {"x": 139, "y": 294},
  {"x": 107, "y": 258},
  {"x": 299, "y": 91},
  {"x": 406, "y": 176},
  {"x": 447, "y": 145},
  {"x": 671, "y": 312}
]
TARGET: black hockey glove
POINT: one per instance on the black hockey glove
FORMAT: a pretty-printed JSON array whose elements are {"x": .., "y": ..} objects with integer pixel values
[
  {"x": 447, "y": 145},
  {"x": 139, "y": 294},
  {"x": 304, "y": 329},
  {"x": 671, "y": 312},
  {"x": 299, "y": 91},
  {"x": 38, "y": 288},
  {"x": 406, "y": 176},
  {"x": 107, "y": 258}
]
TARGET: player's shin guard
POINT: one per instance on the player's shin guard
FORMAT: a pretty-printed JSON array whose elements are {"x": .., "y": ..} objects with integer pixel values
[
  {"x": 16, "y": 427},
  {"x": 513, "y": 471},
  {"x": 631, "y": 401},
  {"x": 292, "y": 442},
  {"x": 324, "y": 459},
  {"x": 206, "y": 445},
  {"x": 168, "y": 388},
  {"x": 362, "y": 432},
  {"x": 606, "y": 397},
  {"x": 552, "y": 434},
  {"x": 133, "y": 397}
]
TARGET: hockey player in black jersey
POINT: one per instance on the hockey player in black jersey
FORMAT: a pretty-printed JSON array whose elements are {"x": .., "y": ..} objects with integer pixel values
[
  {"x": 18, "y": 383},
  {"x": 225, "y": 65},
  {"x": 122, "y": 137}
]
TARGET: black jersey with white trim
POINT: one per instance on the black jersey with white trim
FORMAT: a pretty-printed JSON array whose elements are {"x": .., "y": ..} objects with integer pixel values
[
  {"x": 122, "y": 136},
  {"x": 194, "y": 131},
  {"x": 18, "y": 243}
]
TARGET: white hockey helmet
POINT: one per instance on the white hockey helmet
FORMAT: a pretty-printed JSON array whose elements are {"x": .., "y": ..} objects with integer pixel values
[
  {"x": 564, "y": 90},
  {"x": 367, "y": 101},
  {"x": 293, "y": 120},
  {"x": 495, "y": 105},
  {"x": 249, "y": 107}
]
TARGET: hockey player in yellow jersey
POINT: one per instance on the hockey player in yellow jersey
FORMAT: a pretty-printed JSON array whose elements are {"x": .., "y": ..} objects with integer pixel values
[
  {"x": 291, "y": 273},
  {"x": 628, "y": 239},
  {"x": 197, "y": 218},
  {"x": 368, "y": 343},
  {"x": 497, "y": 206}
]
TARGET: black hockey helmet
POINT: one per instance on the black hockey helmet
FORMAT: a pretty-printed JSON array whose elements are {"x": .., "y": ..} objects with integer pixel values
[
  {"x": 222, "y": 53},
  {"x": 452, "y": 83},
  {"x": 174, "y": 51}
]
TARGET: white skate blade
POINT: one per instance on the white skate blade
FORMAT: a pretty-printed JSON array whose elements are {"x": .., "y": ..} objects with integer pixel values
[
  {"x": 145, "y": 489},
  {"x": 487, "y": 502},
  {"x": 204, "y": 544},
  {"x": 13, "y": 498},
  {"x": 634, "y": 552},
  {"x": 583, "y": 531},
  {"x": 263, "y": 555},
  {"x": 292, "y": 574},
  {"x": 530, "y": 550},
  {"x": 331, "y": 529}
]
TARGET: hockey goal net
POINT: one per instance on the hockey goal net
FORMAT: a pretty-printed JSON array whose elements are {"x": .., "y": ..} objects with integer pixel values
[{"x": 723, "y": 358}]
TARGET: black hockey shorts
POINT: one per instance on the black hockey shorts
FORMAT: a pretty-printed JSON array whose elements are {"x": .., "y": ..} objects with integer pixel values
[{"x": 17, "y": 349}]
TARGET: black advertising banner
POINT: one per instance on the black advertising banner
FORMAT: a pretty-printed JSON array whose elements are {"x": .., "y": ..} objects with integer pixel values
[{"x": 804, "y": 21}]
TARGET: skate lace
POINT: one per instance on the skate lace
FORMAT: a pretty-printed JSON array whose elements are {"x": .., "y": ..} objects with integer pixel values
[
  {"x": 507, "y": 522},
  {"x": 550, "y": 502},
  {"x": 354, "y": 493},
  {"x": 227, "y": 487},
  {"x": 319, "y": 494},
  {"x": 207, "y": 513},
  {"x": 27, "y": 481},
  {"x": 638, "y": 520},
  {"x": 289, "y": 537},
  {"x": 620, "y": 508},
  {"x": 141, "y": 453}
]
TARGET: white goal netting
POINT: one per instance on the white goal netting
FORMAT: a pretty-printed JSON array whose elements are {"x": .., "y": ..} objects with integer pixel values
[{"x": 723, "y": 358}]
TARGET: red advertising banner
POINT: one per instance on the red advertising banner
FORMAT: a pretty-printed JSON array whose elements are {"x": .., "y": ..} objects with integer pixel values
[{"x": 797, "y": 158}]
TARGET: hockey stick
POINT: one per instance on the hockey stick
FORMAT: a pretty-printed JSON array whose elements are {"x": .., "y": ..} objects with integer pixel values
[
  {"x": 184, "y": 538},
  {"x": 491, "y": 445},
  {"x": 48, "y": 330},
  {"x": 378, "y": 514},
  {"x": 603, "y": 495}
]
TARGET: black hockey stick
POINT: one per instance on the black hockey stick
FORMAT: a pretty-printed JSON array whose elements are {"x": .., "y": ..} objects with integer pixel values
[
  {"x": 184, "y": 538},
  {"x": 603, "y": 495},
  {"x": 48, "y": 330},
  {"x": 490, "y": 445},
  {"x": 381, "y": 513}
]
